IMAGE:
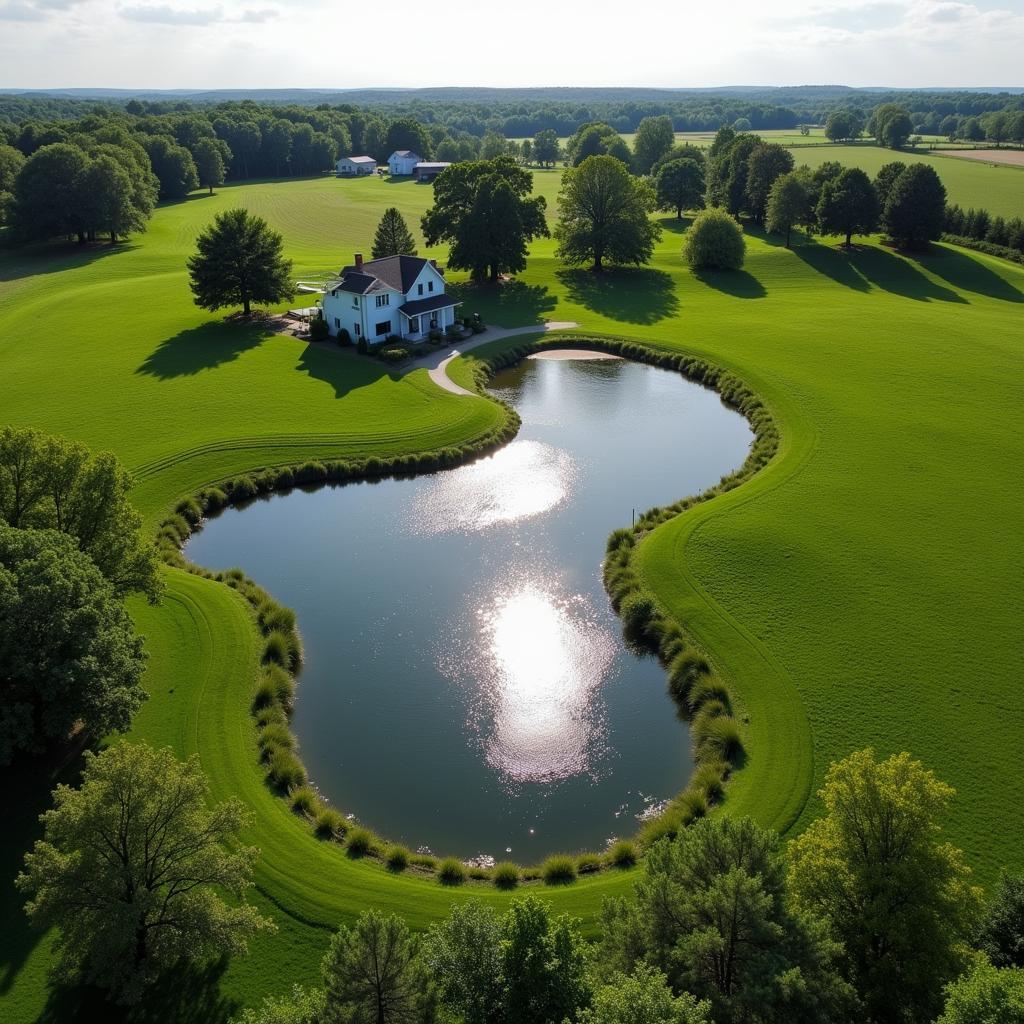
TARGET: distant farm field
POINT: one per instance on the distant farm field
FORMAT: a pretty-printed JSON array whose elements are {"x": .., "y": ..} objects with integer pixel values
[
  {"x": 1013, "y": 157},
  {"x": 861, "y": 590}
]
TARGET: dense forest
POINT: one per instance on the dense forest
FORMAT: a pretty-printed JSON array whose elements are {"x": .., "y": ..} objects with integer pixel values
[{"x": 517, "y": 113}]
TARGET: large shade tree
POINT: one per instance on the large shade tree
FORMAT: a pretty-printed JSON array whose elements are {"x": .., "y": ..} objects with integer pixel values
[
  {"x": 711, "y": 910},
  {"x": 484, "y": 210},
  {"x": 239, "y": 260},
  {"x": 790, "y": 202},
  {"x": 680, "y": 185},
  {"x": 914, "y": 213},
  {"x": 848, "y": 205},
  {"x": 895, "y": 894},
  {"x": 766, "y": 163},
  {"x": 69, "y": 656},
  {"x": 603, "y": 215},
  {"x": 51, "y": 483},
  {"x": 133, "y": 867}
]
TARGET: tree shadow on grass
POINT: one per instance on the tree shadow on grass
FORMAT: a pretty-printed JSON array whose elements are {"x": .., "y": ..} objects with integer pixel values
[
  {"x": 28, "y": 784},
  {"x": 632, "y": 295},
  {"x": 203, "y": 348},
  {"x": 968, "y": 273},
  {"x": 737, "y": 283},
  {"x": 510, "y": 303},
  {"x": 344, "y": 370},
  {"x": 675, "y": 225},
  {"x": 55, "y": 257},
  {"x": 900, "y": 276},
  {"x": 184, "y": 994}
]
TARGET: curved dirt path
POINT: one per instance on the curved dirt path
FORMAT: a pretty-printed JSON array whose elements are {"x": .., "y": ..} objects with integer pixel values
[{"x": 437, "y": 365}]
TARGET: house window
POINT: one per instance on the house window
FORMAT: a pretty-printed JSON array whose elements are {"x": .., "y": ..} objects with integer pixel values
[
  {"x": 384, "y": 327},
  {"x": 383, "y": 300},
  {"x": 419, "y": 289},
  {"x": 430, "y": 286},
  {"x": 414, "y": 325},
  {"x": 356, "y": 330},
  {"x": 337, "y": 322},
  {"x": 355, "y": 301}
]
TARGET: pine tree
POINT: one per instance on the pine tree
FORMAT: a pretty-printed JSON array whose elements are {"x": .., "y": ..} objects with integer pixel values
[{"x": 393, "y": 237}]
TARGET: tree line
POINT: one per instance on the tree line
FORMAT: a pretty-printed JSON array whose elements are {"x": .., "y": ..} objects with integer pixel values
[{"x": 870, "y": 916}]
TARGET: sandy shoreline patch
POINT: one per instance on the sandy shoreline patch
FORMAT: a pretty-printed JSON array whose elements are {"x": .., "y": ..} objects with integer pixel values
[
  {"x": 1010, "y": 157},
  {"x": 572, "y": 353}
]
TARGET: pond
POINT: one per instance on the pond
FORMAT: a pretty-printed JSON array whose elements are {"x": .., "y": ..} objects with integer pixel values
[{"x": 466, "y": 688}]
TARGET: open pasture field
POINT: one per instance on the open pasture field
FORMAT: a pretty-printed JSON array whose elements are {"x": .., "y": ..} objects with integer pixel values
[
  {"x": 1000, "y": 190},
  {"x": 1011, "y": 157},
  {"x": 861, "y": 590}
]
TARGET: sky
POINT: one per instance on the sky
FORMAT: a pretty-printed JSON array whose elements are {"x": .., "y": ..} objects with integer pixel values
[{"x": 171, "y": 44}]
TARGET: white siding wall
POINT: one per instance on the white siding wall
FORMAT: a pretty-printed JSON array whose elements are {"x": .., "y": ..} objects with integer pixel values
[{"x": 403, "y": 164}]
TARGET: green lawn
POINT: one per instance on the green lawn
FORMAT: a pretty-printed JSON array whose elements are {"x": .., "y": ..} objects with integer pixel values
[{"x": 861, "y": 590}]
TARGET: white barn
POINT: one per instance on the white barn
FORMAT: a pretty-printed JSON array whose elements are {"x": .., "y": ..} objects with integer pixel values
[
  {"x": 403, "y": 161},
  {"x": 350, "y": 166},
  {"x": 396, "y": 295}
]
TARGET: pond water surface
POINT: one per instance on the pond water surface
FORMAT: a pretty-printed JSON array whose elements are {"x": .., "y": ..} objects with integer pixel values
[{"x": 466, "y": 688}]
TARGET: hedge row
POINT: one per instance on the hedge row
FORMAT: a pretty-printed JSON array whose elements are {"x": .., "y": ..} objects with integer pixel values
[
  {"x": 700, "y": 697},
  {"x": 989, "y": 248}
]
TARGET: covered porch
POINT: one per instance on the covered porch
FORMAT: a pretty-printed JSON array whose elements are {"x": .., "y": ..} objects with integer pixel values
[{"x": 422, "y": 316}]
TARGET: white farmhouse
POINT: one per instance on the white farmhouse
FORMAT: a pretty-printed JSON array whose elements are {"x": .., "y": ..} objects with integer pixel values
[
  {"x": 403, "y": 161},
  {"x": 351, "y": 166},
  {"x": 396, "y": 295}
]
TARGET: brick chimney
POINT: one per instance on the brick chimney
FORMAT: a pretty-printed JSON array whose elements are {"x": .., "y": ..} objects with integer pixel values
[{"x": 359, "y": 261}]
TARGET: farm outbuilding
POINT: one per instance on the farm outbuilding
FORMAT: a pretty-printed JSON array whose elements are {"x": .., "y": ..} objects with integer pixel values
[{"x": 352, "y": 166}]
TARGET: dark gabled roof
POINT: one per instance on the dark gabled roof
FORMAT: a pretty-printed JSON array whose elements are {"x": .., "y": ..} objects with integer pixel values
[
  {"x": 398, "y": 272},
  {"x": 351, "y": 281},
  {"x": 428, "y": 305}
]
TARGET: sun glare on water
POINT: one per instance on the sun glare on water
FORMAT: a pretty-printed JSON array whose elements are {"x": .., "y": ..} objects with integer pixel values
[
  {"x": 539, "y": 712},
  {"x": 522, "y": 480}
]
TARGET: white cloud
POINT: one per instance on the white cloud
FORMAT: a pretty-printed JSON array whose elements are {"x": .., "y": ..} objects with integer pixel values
[{"x": 182, "y": 43}]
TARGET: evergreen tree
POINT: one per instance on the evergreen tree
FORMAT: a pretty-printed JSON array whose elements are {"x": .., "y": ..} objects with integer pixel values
[
  {"x": 604, "y": 215},
  {"x": 393, "y": 237},
  {"x": 373, "y": 974},
  {"x": 239, "y": 261}
]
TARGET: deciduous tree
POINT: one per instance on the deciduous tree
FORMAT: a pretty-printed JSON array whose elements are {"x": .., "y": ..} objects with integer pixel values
[
  {"x": 546, "y": 149},
  {"x": 463, "y": 954},
  {"x": 1001, "y": 935},
  {"x": 50, "y": 483},
  {"x": 485, "y": 211},
  {"x": 985, "y": 995},
  {"x": 644, "y": 997},
  {"x": 69, "y": 655},
  {"x": 898, "y": 898},
  {"x": 680, "y": 185},
  {"x": 654, "y": 138},
  {"x": 790, "y": 202},
  {"x": 848, "y": 205},
  {"x": 239, "y": 260},
  {"x": 211, "y": 162},
  {"x": 604, "y": 215},
  {"x": 915, "y": 209},
  {"x": 714, "y": 241},
  {"x": 767, "y": 162},
  {"x": 131, "y": 868},
  {"x": 891, "y": 125}
]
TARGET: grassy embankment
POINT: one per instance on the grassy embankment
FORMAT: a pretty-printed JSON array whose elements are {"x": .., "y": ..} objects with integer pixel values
[{"x": 860, "y": 590}]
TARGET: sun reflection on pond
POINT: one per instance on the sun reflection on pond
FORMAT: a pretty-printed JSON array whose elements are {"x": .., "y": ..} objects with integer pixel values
[
  {"x": 537, "y": 707},
  {"x": 522, "y": 480}
]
